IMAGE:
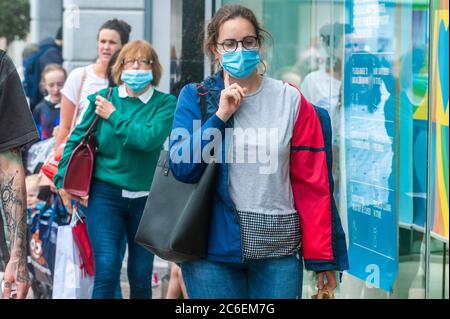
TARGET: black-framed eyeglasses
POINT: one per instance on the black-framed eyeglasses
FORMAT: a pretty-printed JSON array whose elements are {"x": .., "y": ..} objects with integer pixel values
[
  {"x": 231, "y": 45},
  {"x": 141, "y": 61}
]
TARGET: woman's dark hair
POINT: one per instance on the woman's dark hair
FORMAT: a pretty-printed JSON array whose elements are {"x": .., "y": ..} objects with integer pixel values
[
  {"x": 224, "y": 14},
  {"x": 122, "y": 27},
  {"x": 59, "y": 34},
  {"x": 109, "y": 73}
]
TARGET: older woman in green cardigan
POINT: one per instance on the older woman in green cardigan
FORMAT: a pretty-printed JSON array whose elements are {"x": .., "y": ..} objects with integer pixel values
[{"x": 133, "y": 126}]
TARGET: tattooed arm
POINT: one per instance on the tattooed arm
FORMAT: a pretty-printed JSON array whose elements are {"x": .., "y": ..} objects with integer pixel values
[
  {"x": 13, "y": 198},
  {"x": 4, "y": 251}
]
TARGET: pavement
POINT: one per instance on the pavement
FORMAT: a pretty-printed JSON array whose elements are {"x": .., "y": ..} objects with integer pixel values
[{"x": 160, "y": 280}]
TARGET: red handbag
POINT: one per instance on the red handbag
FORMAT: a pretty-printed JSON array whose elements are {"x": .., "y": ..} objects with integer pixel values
[
  {"x": 77, "y": 180},
  {"x": 50, "y": 167},
  {"x": 81, "y": 238}
]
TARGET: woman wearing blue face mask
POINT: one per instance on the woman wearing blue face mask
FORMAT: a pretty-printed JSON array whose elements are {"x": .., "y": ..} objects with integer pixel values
[
  {"x": 133, "y": 126},
  {"x": 269, "y": 215}
]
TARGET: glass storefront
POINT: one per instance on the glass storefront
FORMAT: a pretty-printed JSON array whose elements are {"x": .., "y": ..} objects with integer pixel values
[{"x": 380, "y": 68}]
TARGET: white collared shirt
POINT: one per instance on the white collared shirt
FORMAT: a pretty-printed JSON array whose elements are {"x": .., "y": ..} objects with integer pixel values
[
  {"x": 133, "y": 195},
  {"x": 145, "y": 97}
]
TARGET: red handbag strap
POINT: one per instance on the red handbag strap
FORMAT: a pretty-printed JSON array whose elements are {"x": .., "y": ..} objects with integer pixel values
[{"x": 94, "y": 122}]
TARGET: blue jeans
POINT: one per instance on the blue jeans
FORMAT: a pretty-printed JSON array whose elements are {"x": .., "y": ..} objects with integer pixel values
[
  {"x": 278, "y": 278},
  {"x": 109, "y": 219},
  {"x": 118, "y": 292}
]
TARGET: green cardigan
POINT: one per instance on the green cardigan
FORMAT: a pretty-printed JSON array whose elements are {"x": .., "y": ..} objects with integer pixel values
[{"x": 130, "y": 141}]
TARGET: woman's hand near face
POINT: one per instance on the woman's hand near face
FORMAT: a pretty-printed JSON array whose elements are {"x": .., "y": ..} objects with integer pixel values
[
  {"x": 230, "y": 99},
  {"x": 104, "y": 108}
]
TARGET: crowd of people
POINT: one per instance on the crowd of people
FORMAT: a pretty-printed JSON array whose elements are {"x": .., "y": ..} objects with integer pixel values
[{"x": 265, "y": 228}]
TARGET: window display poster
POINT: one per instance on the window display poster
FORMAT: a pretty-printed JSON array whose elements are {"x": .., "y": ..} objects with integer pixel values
[
  {"x": 440, "y": 129},
  {"x": 369, "y": 116}
]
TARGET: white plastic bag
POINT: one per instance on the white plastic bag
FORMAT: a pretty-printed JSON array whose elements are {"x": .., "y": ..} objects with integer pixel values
[{"x": 69, "y": 281}]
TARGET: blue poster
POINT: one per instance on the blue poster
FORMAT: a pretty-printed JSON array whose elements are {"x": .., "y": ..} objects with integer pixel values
[{"x": 370, "y": 124}]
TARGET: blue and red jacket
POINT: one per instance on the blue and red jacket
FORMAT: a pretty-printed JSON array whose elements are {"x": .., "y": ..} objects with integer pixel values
[{"x": 323, "y": 239}]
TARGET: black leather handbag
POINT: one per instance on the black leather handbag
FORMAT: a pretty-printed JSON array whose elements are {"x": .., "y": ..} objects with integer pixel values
[{"x": 176, "y": 219}]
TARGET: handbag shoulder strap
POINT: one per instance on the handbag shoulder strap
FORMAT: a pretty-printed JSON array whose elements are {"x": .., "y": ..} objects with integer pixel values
[
  {"x": 90, "y": 131},
  {"x": 77, "y": 106},
  {"x": 202, "y": 93}
]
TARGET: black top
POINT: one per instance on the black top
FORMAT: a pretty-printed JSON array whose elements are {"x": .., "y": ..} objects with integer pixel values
[{"x": 17, "y": 127}]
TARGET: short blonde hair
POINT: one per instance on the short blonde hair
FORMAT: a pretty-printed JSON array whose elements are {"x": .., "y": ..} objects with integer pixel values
[{"x": 135, "y": 49}]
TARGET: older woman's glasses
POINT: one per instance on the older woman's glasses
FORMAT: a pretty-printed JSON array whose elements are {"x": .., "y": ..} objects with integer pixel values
[
  {"x": 140, "y": 62},
  {"x": 231, "y": 45}
]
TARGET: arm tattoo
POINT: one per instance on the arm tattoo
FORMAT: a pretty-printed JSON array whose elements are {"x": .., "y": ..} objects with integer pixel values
[
  {"x": 13, "y": 199},
  {"x": 4, "y": 252}
]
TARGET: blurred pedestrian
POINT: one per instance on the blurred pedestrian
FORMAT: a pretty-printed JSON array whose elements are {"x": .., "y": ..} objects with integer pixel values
[
  {"x": 84, "y": 81},
  {"x": 46, "y": 113},
  {"x": 49, "y": 51},
  {"x": 323, "y": 87},
  {"x": 53, "y": 51}
]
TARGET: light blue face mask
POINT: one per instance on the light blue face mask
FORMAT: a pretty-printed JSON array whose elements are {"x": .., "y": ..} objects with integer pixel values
[
  {"x": 137, "y": 80},
  {"x": 240, "y": 63}
]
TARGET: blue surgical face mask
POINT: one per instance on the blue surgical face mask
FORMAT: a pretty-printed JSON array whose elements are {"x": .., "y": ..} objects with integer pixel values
[
  {"x": 137, "y": 80},
  {"x": 240, "y": 63}
]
